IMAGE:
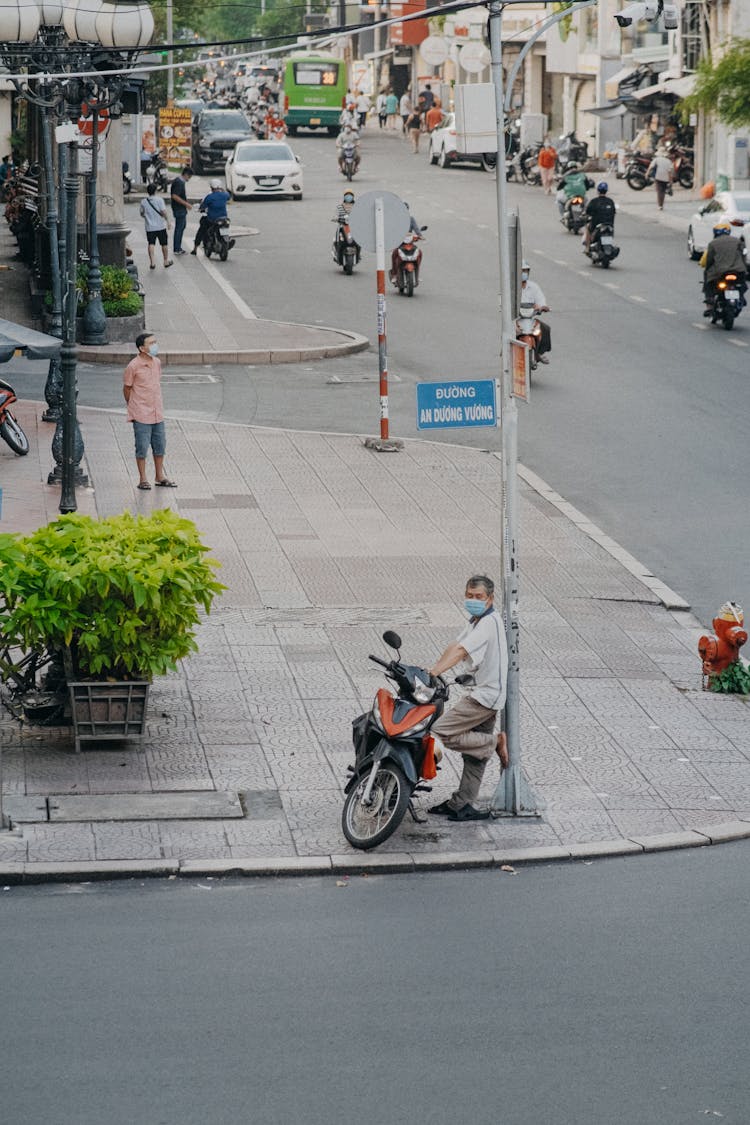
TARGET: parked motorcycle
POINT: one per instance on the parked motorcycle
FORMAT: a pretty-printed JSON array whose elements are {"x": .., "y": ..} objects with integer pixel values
[
  {"x": 217, "y": 239},
  {"x": 602, "y": 249},
  {"x": 570, "y": 152},
  {"x": 10, "y": 431},
  {"x": 684, "y": 172},
  {"x": 127, "y": 179},
  {"x": 574, "y": 214},
  {"x": 528, "y": 166},
  {"x": 727, "y": 301},
  {"x": 156, "y": 171},
  {"x": 349, "y": 161},
  {"x": 529, "y": 331},
  {"x": 635, "y": 171},
  {"x": 394, "y": 752},
  {"x": 345, "y": 250},
  {"x": 408, "y": 262}
]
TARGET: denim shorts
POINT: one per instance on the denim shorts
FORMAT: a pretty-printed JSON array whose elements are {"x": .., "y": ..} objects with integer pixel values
[{"x": 150, "y": 434}]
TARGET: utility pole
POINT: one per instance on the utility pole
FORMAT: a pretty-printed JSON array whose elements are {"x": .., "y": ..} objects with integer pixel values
[{"x": 170, "y": 58}]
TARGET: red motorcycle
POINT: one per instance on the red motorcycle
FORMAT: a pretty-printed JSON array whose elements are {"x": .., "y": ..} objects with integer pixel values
[
  {"x": 10, "y": 431},
  {"x": 405, "y": 263}
]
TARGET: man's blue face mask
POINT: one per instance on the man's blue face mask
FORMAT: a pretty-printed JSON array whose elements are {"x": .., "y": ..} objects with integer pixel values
[{"x": 475, "y": 607}]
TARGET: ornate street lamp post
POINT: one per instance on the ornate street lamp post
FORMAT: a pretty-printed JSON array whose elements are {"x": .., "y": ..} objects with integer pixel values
[{"x": 81, "y": 38}]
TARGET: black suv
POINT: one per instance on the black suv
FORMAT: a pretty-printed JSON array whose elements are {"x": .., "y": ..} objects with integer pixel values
[{"x": 215, "y": 133}]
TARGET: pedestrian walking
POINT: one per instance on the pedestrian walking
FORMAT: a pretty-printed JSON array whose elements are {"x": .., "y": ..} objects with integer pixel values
[
  {"x": 154, "y": 212},
  {"x": 391, "y": 109},
  {"x": 363, "y": 108},
  {"x": 547, "y": 160},
  {"x": 414, "y": 128},
  {"x": 180, "y": 206},
  {"x": 381, "y": 110},
  {"x": 433, "y": 116},
  {"x": 662, "y": 169},
  {"x": 468, "y": 728},
  {"x": 141, "y": 388},
  {"x": 404, "y": 109}
]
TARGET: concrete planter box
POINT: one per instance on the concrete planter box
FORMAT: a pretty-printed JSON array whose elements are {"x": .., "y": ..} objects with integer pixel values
[
  {"x": 103, "y": 712},
  {"x": 120, "y": 329}
]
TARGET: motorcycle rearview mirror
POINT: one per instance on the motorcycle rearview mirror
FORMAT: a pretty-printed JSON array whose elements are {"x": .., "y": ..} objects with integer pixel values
[
  {"x": 466, "y": 678},
  {"x": 392, "y": 639},
  {"x": 423, "y": 228}
]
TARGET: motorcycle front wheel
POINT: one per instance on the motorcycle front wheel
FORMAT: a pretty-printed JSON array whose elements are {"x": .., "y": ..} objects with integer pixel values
[
  {"x": 686, "y": 178},
  {"x": 409, "y": 286},
  {"x": 348, "y": 264},
  {"x": 636, "y": 179},
  {"x": 11, "y": 432},
  {"x": 366, "y": 826}
]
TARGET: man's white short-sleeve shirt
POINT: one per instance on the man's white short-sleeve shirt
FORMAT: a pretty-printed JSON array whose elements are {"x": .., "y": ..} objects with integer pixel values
[{"x": 484, "y": 642}]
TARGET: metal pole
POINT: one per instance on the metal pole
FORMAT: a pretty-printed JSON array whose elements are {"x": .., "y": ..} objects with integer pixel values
[
  {"x": 382, "y": 343},
  {"x": 53, "y": 386},
  {"x": 170, "y": 57},
  {"x": 94, "y": 317},
  {"x": 512, "y": 794},
  {"x": 68, "y": 354}
]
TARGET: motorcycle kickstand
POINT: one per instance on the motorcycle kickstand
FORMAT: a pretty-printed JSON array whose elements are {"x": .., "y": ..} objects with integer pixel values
[{"x": 419, "y": 816}]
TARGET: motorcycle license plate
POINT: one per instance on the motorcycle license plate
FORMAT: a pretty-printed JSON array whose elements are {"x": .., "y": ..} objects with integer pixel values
[
  {"x": 607, "y": 240},
  {"x": 732, "y": 294},
  {"x": 315, "y": 121}
]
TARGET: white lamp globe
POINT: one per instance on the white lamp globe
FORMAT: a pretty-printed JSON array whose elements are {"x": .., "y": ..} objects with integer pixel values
[
  {"x": 51, "y": 12},
  {"x": 124, "y": 25},
  {"x": 79, "y": 20},
  {"x": 19, "y": 21}
]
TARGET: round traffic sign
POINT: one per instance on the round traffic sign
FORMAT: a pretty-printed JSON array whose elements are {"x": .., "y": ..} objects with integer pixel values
[
  {"x": 434, "y": 50},
  {"x": 395, "y": 220}
]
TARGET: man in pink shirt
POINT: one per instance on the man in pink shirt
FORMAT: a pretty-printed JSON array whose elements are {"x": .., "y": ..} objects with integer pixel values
[{"x": 142, "y": 391}]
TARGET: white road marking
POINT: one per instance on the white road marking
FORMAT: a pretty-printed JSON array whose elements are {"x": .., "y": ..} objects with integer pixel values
[
  {"x": 482, "y": 226},
  {"x": 738, "y": 343},
  {"x": 669, "y": 312},
  {"x": 611, "y": 285},
  {"x": 703, "y": 327},
  {"x": 635, "y": 297},
  {"x": 559, "y": 262},
  {"x": 242, "y": 308},
  {"x": 540, "y": 253}
]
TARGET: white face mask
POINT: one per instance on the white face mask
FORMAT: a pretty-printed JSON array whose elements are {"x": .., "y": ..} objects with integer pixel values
[
  {"x": 153, "y": 349},
  {"x": 525, "y": 275}
]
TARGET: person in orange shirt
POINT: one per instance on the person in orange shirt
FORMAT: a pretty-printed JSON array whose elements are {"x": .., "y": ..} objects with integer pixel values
[
  {"x": 434, "y": 115},
  {"x": 546, "y": 160}
]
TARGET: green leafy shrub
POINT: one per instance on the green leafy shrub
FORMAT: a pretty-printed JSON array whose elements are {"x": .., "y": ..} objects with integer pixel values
[
  {"x": 734, "y": 680},
  {"x": 124, "y": 306},
  {"x": 121, "y": 595}
]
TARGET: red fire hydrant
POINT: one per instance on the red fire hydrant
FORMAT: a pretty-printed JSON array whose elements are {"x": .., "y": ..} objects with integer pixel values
[{"x": 722, "y": 649}]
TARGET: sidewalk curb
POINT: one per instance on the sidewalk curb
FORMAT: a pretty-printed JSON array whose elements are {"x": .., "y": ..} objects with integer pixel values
[
  {"x": 121, "y": 353},
  {"x": 362, "y": 864},
  {"x": 668, "y": 598}
]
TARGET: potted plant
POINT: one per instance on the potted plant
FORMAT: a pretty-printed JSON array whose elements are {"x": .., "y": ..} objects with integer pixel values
[{"x": 114, "y": 601}]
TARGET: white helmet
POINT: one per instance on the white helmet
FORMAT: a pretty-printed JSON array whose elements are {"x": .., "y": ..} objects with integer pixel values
[
  {"x": 525, "y": 265},
  {"x": 215, "y": 185}
]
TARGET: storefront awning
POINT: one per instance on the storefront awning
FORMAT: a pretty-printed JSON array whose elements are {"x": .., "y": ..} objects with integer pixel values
[
  {"x": 34, "y": 345},
  {"x": 607, "y": 112},
  {"x": 612, "y": 85},
  {"x": 680, "y": 87}
]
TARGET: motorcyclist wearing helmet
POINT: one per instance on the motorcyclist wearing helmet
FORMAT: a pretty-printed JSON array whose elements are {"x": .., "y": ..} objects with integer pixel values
[
  {"x": 342, "y": 218},
  {"x": 600, "y": 209},
  {"x": 722, "y": 255},
  {"x": 413, "y": 234},
  {"x": 530, "y": 291},
  {"x": 347, "y": 136},
  {"x": 574, "y": 182},
  {"x": 214, "y": 208}
]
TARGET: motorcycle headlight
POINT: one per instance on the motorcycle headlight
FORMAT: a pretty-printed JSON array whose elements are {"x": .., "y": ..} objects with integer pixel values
[{"x": 422, "y": 692}]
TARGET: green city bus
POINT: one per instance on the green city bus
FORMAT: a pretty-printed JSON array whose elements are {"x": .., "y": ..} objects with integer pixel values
[{"x": 314, "y": 91}]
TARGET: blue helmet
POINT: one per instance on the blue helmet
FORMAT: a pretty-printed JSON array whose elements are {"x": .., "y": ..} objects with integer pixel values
[{"x": 602, "y": 187}]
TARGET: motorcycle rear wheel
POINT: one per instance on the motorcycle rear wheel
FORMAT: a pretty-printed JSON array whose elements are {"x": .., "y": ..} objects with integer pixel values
[
  {"x": 409, "y": 284},
  {"x": 686, "y": 178},
  {"x": 728, "y": 320},
  {"x": 224, "y": 252},
  {"x": 366, "y": 827},
  {"x": 11, "y": 432}
]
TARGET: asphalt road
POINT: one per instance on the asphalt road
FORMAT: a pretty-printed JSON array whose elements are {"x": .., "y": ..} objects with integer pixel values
[
  {"x": 641, "y": 420},
  {"x": 612, "y": 992}
]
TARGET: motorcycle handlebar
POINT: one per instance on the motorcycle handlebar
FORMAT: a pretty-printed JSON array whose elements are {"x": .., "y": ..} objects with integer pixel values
[{"x": 382, "y": 663}]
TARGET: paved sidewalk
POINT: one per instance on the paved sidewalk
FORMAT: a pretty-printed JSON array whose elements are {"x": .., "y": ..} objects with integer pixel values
[
  {"x": 199, "y": 316},
  {"x": 322, "y": 547}
]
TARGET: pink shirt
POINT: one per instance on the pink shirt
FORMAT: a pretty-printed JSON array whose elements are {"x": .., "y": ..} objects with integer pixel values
[{"x": 143, "y": 374}]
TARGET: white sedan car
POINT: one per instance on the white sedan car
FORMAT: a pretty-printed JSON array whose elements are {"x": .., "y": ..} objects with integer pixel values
[
  {"x": 732, "y": 206},
  {"x": 258, "y": 168}
]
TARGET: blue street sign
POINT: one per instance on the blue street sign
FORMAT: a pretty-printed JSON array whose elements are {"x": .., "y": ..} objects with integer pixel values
[{"x": 442, "y": 405}]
